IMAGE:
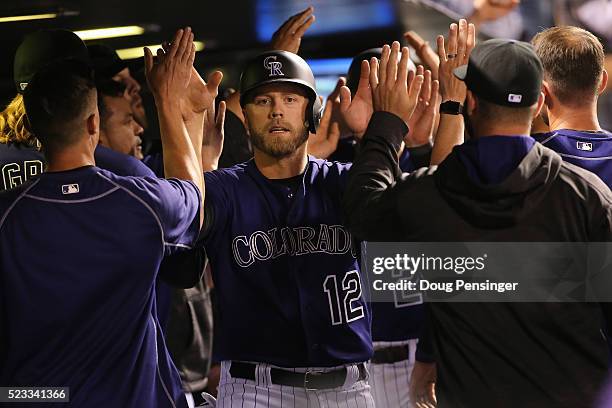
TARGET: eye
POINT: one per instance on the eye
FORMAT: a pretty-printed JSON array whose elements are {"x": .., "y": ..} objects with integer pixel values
[
  {"x": 262, "y": 101},
  {"x": 291, "y": 98}
]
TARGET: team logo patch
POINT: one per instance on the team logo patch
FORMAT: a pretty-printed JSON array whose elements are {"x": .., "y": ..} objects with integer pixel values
[
  {"x": 23, "y": 85},
  {"x": 584, "y": 146},
  {"x": 512, "y": 98},
  {"x": 274, "y": 66},
  {"x": 70, "y": 189}
]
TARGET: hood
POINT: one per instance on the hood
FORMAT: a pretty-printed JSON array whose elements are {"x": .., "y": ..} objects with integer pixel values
[{"x": 502, "y": 204}]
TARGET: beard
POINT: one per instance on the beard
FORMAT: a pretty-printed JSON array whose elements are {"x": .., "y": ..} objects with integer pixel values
[{"x": 278, "y": 145}]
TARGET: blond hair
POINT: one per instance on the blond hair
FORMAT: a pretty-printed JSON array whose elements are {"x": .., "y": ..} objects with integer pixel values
[{"x": 13, "y": 127}]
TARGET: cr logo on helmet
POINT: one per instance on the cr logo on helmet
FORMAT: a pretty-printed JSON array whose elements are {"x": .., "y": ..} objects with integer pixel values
[{"x": 273, "y": 65}]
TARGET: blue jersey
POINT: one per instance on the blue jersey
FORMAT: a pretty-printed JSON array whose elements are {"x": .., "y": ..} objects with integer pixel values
[
  {"x": 285, "y": 269},
  {"x": 19, "y": 164},
  {"x": 79, "y": 254},
  {"x": 589, "y": 150}
]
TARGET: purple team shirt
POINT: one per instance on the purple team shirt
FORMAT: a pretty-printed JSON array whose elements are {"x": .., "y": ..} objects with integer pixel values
[{"x": 79, "y": 254}]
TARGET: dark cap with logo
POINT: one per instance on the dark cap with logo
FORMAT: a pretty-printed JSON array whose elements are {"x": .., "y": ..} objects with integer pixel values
[
  {"x": 503, "y": 72},
  {"x": 41, "y": 48},
  {"x": 106, "y": 62}
]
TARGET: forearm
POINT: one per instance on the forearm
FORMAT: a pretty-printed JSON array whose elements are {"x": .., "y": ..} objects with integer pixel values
[
  {"x": 374, "y": 170},
  {"x": 195, "y": 130},
  {"x": 450, "y": 134},
  {"x": 180, "y": 158}
]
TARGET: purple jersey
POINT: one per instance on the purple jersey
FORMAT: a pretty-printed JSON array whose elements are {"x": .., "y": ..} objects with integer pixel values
[
  {"x": 79, "y": 254},
  {"x": 589, "y": 150},
  {"x": 18, "y": 164},
  {"x": 285, "y": 268}
]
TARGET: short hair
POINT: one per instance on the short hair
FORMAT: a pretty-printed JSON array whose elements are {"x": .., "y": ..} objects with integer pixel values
[
  {"x": 573, "y": 61},
  {"x": 58, "y": 95},
  {"x": 504, "y": 114},
  {"x": 107, "y": 88}
]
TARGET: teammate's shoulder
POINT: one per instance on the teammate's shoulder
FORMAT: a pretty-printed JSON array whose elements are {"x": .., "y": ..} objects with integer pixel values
[
  {"x": 228, "y": 174},
  {"x": 583, "y": 182}
]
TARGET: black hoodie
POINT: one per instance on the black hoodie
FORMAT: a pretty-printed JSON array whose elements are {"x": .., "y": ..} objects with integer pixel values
[{"x": 492, "y": 354}]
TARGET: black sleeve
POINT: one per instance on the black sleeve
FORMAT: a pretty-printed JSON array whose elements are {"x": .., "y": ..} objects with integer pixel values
[
  {"x": 424, "y": 351},
  {"x": 184, "y": 269},
  {"x": 369, "y": 203},
  {"x": 420, "y": 155}
]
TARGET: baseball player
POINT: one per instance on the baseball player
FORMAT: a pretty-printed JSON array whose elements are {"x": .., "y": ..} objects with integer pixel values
[
  {"x": 501, "y": 186},
  {"x": 293, "y": 327},
  {"x": 20, "y": 155},
  {"x": 574, "y": 77},
  {"x": 81, "y": 312}
]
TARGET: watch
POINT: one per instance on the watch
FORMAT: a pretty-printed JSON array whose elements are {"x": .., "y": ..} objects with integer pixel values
[{"x": 451, "y": 108}]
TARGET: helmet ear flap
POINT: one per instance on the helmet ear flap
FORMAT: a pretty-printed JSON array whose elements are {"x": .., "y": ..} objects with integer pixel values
[{"x": 315, "y": 110}]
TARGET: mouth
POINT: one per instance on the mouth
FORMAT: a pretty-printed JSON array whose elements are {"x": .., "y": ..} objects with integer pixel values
[{"x": 278, "y": 130}]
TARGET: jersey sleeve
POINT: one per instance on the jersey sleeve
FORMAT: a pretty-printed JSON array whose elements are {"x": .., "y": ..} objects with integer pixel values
[{"x": 175, "y": 205}]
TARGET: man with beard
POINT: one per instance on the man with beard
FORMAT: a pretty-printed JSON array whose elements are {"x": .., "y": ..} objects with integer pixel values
[{"x": 280, "y": 258}]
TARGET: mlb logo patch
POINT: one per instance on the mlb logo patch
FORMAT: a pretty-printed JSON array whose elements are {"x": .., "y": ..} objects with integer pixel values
[
  {"x": 584, "y": 146},
  {"x": 70, "y": 189},
  {"x": 512, "y": 98}
]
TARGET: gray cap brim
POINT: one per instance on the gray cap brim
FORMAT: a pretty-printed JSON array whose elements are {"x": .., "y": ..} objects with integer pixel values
[{"x": 461, "y": 72}]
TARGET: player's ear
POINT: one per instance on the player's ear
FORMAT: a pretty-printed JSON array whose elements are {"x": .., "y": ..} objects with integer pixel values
[
  {"x": 548, "y": 95},
  {"x": 471, "y": 103},
  {"x": 246, "y": 120},
  {"x": 540, "y": 104},
  {"x": 93, "y": 124},
  {"x": 604, "y": 82}
]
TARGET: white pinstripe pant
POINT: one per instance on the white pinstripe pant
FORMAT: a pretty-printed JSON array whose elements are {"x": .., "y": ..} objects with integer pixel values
[
  {"x": 390, "y": 382},
  {"x": 238, "y": 392}
]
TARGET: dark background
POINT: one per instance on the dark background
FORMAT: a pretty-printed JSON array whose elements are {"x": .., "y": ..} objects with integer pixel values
[{"x": 232, "y": 30}]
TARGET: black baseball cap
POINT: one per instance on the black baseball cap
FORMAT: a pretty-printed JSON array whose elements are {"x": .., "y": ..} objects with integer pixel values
[
  {"x": 503, "y": 72},
  {"x": 106, "y": 62},
  {"x": 40, "y": 48}
]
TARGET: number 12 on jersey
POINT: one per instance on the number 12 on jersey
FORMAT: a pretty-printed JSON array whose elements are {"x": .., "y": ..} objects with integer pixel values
[{"x": 341, "y": 297}]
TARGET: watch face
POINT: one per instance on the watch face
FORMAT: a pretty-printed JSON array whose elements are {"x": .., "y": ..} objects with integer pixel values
[{"x": 451, "y": 107}]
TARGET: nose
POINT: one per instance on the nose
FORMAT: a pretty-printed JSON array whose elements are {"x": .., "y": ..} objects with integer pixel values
[
  {"x": 138, "y": 130},
  {"x": 276, "y": 110}
]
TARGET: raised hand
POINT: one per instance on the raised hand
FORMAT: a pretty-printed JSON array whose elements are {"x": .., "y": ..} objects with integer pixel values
[
  {"x": 461, "y": 41},
  {"x": 424, "y": 51},
  {"x": 422, "y": 123},
  {"x": 212, "y": 143},
  {"x": 356, "y": 112},
  {"x": 200, "y": 95},
  {"x": 489, "y": 10},
  {"x": 169, "y": 76},
  {"x": 422, "y": 385},
  {"x": 325, "y": 141},
  {"x": 393, "y": 89},
  {"x": 289, "y": 36}
]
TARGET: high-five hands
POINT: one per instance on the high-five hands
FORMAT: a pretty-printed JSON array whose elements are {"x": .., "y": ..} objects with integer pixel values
[
  {"x": 169, "y": 76},
  {"x": 393, "y": 89},
  {"x": 423, "y": 121},
  {"x": 461, "y": 41},
  {"x": 289, "y": 35}
]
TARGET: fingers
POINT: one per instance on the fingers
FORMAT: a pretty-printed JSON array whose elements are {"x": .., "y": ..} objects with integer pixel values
[
  {"x": 213, "y": 82},
  {"x": 336, "y": 92},
  {"x": 402, "y": 75},
  {"x": 462, "y": 38},
  {"x": 299, "y": 32},
  {"x": 148, "y": 59},
  {"x": 373, "y": 67},
  {"x": 326, "y": 118},
  {"x": 192, "y": 54},
  {"x": 471, "y": 39},
  {"x": 384, "y": 61},
  {"x": 364, "y": 78},
  {"x": 441, "y": 48},
  {"x": 392, "y": 64},
  {"x": 175, "y": 43},
  {"x": 414, "y": 39},
  {"x": 184, "y": 49},
  {"x": 414, "y": 90},
  {"x": 452, "y": 39},
  {"x": 345, "y": 99},
  {"x": 426, "y": 89}
]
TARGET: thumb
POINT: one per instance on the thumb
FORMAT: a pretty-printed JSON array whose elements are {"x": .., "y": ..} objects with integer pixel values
[
  {"x": 214, "y": 80},
  {"x": 148, "y": 59},
  {"x": 345, "y": 99}
]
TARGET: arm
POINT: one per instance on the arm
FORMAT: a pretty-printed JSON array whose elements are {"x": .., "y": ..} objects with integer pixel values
[
  {"x": 369, "y": 201},
  {"x": 168, "y": 79},
  {"x": 461, "y": 41}
]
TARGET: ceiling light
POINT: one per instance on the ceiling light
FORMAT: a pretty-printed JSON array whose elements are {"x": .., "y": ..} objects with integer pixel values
[
  {"x": 138, "y": 52},
  {"x": 110, "y": 32},
  {"x": 28, "y": 17}
]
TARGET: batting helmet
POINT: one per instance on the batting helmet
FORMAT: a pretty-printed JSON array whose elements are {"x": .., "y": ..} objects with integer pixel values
[{"x": 282, "y": 66}]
